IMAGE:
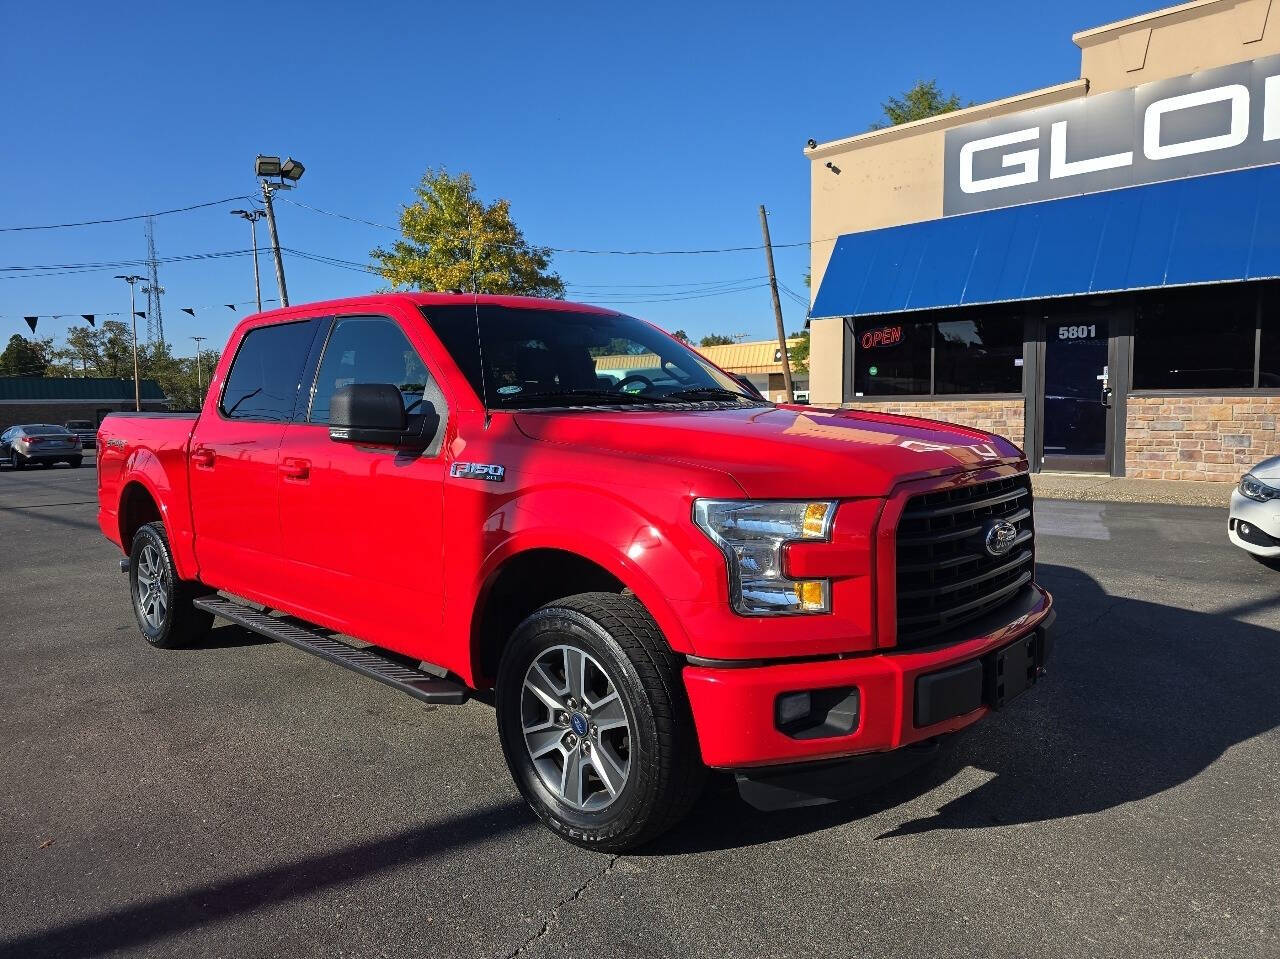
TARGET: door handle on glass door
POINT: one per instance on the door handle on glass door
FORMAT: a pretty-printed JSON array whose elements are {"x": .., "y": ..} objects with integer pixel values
[
  {"x": 1106, "y": 397},
  {"x": 295, "y": 469}
]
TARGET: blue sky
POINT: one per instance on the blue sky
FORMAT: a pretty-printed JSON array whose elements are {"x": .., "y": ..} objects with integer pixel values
[{"x": 650, "y": 126}]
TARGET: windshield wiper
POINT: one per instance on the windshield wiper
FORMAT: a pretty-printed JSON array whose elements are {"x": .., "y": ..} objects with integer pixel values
[
  {"x": 612, "y": 396},
  {"x": 707, "y": 392}
]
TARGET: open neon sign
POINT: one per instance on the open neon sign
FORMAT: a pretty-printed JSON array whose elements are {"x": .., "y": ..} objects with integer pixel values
[{"x": 883, "y": 336}]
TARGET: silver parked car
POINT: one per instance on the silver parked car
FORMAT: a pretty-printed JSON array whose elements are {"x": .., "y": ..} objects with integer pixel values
[{"x": 39, "y": 443}]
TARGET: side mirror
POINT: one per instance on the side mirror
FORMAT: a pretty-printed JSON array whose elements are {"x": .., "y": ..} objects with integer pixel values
[{"x": 371, "y": 413}]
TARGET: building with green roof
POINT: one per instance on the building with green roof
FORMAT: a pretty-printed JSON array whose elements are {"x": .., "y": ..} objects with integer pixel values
[{"x": 46, "y": 399}]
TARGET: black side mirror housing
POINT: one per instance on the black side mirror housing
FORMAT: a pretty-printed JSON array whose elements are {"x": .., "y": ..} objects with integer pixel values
[{"x": 374, "y": 414}]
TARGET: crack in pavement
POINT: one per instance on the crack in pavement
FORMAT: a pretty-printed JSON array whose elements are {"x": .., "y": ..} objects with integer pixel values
[
  {"x": 567, "y": 900},
  {"x": 82, "y": 502}
]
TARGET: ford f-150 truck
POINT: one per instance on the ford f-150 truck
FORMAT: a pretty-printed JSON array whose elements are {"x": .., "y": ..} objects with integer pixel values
[{"x": 645, "y": 567}]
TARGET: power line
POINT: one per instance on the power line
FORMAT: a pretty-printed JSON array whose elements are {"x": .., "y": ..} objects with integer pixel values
[
  {"x": 123, "y": 219},
  {"x": 557, "y": 249}
]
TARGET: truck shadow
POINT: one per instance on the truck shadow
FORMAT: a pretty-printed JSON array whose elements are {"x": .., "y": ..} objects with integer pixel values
[{"x": 1140, "y": 698}]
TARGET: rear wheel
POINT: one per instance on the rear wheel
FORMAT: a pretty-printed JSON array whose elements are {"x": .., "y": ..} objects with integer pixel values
[
  {"x": 19, "y": 462},
  {"x": 162, "y": 603},
  {"x": 594, "y": 722},
  {"x": 76, "y": 463}
]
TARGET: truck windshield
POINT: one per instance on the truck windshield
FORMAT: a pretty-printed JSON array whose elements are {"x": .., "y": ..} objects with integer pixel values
[{"x": 547, "y": 357}]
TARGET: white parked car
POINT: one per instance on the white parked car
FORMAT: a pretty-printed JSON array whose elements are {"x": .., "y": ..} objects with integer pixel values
[{"x": 1254, "y": 524}]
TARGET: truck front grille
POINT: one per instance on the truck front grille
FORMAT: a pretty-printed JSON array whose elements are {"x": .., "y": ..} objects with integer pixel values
[{"x": 946, "y": 576}]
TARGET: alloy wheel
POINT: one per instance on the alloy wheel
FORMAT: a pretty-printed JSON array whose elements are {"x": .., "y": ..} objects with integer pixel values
[
  {"x": 575, "y": 728},
  {"x": 150, "y": 591}
]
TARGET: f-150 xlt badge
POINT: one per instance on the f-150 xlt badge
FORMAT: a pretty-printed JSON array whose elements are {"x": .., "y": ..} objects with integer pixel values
[{"x": 481, "y": 471}]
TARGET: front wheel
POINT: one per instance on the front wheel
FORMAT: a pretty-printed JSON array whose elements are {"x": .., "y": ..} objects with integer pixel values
[
  {"x": 594, "y": 722},
  {"x": 162, "y": 603}
]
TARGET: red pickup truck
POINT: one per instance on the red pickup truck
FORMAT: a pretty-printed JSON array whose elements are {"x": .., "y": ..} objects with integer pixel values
[{"x": 646, "y": 568}]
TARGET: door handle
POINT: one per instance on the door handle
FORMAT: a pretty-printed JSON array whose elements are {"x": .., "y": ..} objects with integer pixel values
[
  {"x": 295, "y": 469},
  {"x": 1106, "y": 397},
  {"x": 202, "y": 457}
]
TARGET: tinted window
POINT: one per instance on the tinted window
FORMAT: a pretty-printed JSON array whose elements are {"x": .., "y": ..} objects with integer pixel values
[
  {"x": 368, "y": 349},
  {"x": 891, "y": 358},
  {"x": 44, "y": 430},
  {"x": 79, "y": 425},
  {"x": 1269, "y": 358},
  {"x": 547, "y": 357},
  {"x": 263, "y": 381},
  {"x": 1195, "y": 339},
  {"x": 980, "y": 354}
]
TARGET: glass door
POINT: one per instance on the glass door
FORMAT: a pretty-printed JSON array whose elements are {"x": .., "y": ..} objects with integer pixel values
[{"x": 1077, "y": 430}]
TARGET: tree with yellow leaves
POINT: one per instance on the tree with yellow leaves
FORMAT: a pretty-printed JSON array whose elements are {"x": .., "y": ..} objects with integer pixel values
[{"x": 454, "y": 241}]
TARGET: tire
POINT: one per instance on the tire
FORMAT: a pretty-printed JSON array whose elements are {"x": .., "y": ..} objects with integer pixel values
[
  {"x": 45, "y": 464},
  {"x": 18, "y": 461},
  {"x": 76, "y": 463},
  {"x": 649, "y": 752},
  {"x": 162, "y": 603}
]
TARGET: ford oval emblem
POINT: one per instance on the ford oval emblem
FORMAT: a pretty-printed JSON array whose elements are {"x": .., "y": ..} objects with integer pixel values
[{"x": 1000, "y": 537}]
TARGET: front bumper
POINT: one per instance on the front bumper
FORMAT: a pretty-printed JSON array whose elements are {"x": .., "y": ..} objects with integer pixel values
[
  {"x": 1262, "y": 538},
  {"x": 735, "y": 711}
]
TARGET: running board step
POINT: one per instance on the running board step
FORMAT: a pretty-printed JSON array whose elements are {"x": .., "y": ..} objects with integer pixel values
[{"x": 367, "y": 662}]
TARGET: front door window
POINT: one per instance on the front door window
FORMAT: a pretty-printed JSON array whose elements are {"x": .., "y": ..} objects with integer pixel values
[{"x": 1076, "y": 394}]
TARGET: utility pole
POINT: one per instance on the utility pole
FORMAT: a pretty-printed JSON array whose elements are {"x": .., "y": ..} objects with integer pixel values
[
  {"x": 200, "y": 368},
  {"x": 777, "y": 307},
  {"x": 133, "y": 315},
  {"x": 289, "y": 173},
  {"x": 267, "y": 190},
  {"x": 253, "y": 216}
]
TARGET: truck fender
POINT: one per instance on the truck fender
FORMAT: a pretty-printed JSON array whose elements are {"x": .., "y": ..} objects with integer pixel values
[
  {"x": 652, "y": 559},
  {"x": 144, "y": 469}
]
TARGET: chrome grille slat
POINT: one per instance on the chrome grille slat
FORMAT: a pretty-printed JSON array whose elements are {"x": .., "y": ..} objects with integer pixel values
[{"x": 945, "y": 577}]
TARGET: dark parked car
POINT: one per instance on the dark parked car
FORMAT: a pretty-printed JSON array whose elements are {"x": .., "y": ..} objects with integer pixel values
[
  {"x": 41, "y": 443},
  {"x": 84, "y": 429}
]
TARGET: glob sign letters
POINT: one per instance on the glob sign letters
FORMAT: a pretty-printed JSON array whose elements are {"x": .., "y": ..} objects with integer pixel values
[{"x": 1212, "y": 121}]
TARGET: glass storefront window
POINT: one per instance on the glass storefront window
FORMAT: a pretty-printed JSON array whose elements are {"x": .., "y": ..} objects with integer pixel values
[
  {"x": 1196, "y": 339},
  {"x": 973, "y": 351},
  {"x": 892, "y": 359},
  {"x": 981, "y": 354}
]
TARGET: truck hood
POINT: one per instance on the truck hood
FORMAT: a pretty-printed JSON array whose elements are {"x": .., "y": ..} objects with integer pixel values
[{"x": 785, "y": 451}]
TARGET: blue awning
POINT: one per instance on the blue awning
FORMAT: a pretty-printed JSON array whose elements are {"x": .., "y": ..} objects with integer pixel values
[{"x": 1204, "y": 229}]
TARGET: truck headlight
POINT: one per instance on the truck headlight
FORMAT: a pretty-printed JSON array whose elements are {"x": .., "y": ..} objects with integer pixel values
[
  {"x": 751, "y": 535},
  {"x": 1255, "y": 489}
]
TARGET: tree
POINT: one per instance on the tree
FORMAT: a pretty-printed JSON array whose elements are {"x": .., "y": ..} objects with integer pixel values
[
  {"x": 178, "y": 376},
  {"x": 922, "y": 100},
  {"x": 24, "y": 357},
  {"x": 454, "y": 241},
  {"x": 716, "y": 339},
  {"x": 117, "y": 350},
  {"x": 682, "y": 336},
  {"x": 799, "y": 354}
]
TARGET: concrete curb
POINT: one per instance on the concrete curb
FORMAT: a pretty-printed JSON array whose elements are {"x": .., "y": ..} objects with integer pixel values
[{"x": 1122, "y": 489}]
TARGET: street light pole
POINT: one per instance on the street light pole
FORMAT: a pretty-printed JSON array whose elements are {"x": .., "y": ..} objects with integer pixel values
[
  {"x": 133, "y": 315},
  {"x": 267, "y": 190},
  {"x": 200, "y": 368},
  {"x": 253, "y": 216},
  {"x": 289, "y": 173}
]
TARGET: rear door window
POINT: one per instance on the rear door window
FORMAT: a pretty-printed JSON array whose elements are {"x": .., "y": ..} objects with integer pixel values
[{"x": 263, "y": 381}]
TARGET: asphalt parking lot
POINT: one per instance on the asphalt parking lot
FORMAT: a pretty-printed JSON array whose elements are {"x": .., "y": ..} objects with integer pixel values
[{"x": 243, "y": 799}]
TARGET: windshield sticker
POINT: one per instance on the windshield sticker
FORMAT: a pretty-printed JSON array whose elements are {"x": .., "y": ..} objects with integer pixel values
[{"x": 509, "y": 390}]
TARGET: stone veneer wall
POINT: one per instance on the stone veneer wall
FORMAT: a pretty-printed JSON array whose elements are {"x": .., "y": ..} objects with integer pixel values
[
  {"x": 1004, "y": 417},
  {"x": 1199, "y": 437}
]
